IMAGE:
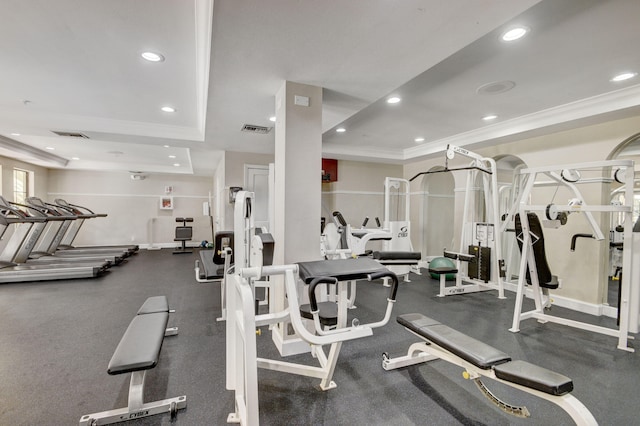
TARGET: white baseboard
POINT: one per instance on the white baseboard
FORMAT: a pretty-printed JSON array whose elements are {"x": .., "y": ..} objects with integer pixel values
[
  {"x": 158, "y": 246},
  {"x": 573, "y": 304}
]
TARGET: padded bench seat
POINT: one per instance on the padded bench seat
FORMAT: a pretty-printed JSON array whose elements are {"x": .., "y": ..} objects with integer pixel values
[
  {"x": 397, "y": 257},
  {"x": 440, "y": 270},
  {"x": 485, "y": 357},
  {"x": 341, "y": 269},
  {"x": 154, "y": 304},
  {"x": 139, "y": 348},
  {"x": 474, "y": 351},
  {"x": 137, "y": 353},
  {"x": 534, "y": 377},
  {"x": 327, "y": 311}
]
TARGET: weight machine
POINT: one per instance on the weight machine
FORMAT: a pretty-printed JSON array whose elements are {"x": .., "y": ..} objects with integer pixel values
[
  {"x": 481, "y": 268},
  {"x": 328, "y": 319},
  {"x": 398, "y": 254},
  {"x": 568, "y": 175}
]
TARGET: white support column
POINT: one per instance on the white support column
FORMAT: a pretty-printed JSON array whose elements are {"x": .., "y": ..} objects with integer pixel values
[{"x": 298, "y": 184}]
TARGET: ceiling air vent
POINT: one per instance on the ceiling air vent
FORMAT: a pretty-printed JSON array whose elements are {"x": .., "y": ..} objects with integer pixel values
[
  {"x": 71, "y": 134},
  {"x": 252, "y": 128}
]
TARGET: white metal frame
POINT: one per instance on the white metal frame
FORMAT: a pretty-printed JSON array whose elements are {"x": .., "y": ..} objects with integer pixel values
[
  {"x": 400, "y": 229},
  {"x": 423, "y": 351},
  {"x": 487, "y": 167},
  {"x": 242, "y": 359},
  {"x": 136, "y": 407},
  {"x": 528, "y": 258}
]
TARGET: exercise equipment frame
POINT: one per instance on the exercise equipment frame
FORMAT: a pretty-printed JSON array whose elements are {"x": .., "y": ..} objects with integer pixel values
[{"x": 527, "y": 258}]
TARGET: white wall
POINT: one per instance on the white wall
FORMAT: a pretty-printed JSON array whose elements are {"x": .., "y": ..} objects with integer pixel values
[
  {"x": 133, "y": 207},
  {"x": 234, "y": 176},
  {"x": 41, "y": 176},
  {"x": 359, "y": 192}
]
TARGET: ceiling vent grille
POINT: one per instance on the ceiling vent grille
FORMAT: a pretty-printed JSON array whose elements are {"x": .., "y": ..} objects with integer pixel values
[
  {"x": 252, "y": 128},
  {"x": 71, "y": 134}
]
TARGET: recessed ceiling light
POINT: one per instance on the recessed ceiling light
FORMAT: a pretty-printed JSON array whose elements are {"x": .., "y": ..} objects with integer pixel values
[
  {"x": 152, "y": 56},
  {"x": 50, "y": 148},
  {"x": 272, "y": 118},
  {"x": 15, "y": 134},
  {"x": 514, "y": 33},
  {"x": 393, "y": 100},
  {"x": 75, "y": 158},
  {"x": 176, "y": 164},
  {"x": 166, "y": 146},
  {"x": 341, "y": 130},
  {"x": 168, "y": 109},
  {"x": 172, "y": 156},
  {"x": 418, "y": 140},
  {"x": 624, "y": 76},
  {"x": 489, "y": 117}
]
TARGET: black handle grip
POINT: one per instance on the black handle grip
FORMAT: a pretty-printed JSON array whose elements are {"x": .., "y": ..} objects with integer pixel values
[
  {"x": 340, "y": 219},
  {"x": 312, "y": 290},
  {"x": 394, "y": 282},
  {"x": 366, "y": 220},
  {"x": 575, "y": 237},
  {"x": 378, "y": 222}
]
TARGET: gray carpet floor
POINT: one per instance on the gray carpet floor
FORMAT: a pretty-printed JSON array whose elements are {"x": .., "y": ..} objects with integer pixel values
[{"x": 57, "y": 338}]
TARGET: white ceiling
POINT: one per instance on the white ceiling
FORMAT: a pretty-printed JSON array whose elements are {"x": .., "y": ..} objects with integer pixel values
[{"x": 75, "y": 65}]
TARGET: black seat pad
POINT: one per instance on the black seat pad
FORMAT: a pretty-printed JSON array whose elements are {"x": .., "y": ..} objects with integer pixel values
[
  {"x": 341, "y": 269},
  {"x": 327, "y": 312},
  {"x": 474, "y": 351},
  {"x": 443, "y": 270},
  {"x": 534, "y": 377},
  {"x": 139, "y": 348}
]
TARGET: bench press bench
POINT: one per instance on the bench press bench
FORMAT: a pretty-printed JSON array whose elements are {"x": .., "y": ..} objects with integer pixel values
[
  {"x": 138, "y": 352},
  {"x": 479, "y": 359},
  {"x": 399, "y": 258}
]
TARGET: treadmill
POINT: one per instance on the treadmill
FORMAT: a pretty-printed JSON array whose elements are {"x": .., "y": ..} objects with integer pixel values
[
  {"x": 54, "y": 244},
  {"x": 43, "y": 232},
  {"x": 84, "y": 213},
  {"x": 11, "y": 272}
]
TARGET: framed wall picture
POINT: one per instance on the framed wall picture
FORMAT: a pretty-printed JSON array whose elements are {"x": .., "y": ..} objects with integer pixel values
[{"x": 166, "y": 202}]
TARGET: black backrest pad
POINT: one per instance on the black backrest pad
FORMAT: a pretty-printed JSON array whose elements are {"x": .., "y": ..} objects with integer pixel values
[
  {"x": 341, "y": 269},
  {"x": 139, "y": 348},
  {"x": 184, "y": 232},
  {"x": 397, "y": 255},
  {"x": 542, "y": 267},
  {"x": 154, "y": 304},
  {"x": 474, "y": 351}
]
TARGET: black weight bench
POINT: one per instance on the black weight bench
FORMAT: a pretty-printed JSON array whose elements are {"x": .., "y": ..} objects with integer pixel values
[
  {"x": 479, "y": 359},
  {"x": 138, "y": 352},
  {"x": 184, "y": 233}
]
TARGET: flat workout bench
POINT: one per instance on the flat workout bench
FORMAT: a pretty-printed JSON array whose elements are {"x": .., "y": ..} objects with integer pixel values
[
  {"x": 479, "y": 359},
  {"x": 137, "y": 352}
]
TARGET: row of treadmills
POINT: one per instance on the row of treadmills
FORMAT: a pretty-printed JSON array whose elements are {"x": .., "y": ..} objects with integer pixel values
[{"x": 40, "y": 247}]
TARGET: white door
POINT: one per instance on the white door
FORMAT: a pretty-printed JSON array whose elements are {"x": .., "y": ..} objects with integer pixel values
[{"x": 256, "y": 180}]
